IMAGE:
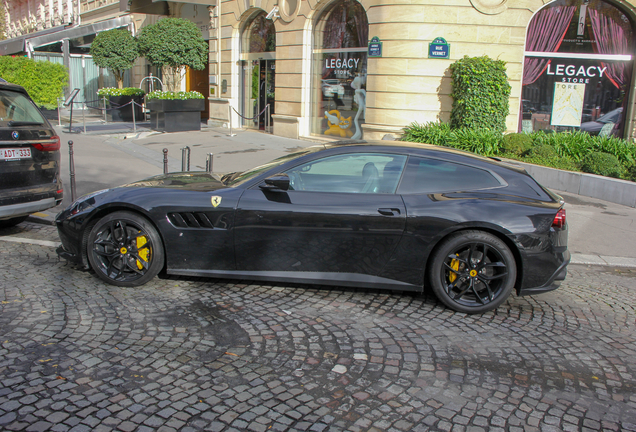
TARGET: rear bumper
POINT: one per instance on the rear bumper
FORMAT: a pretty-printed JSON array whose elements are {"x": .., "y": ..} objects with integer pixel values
[
  {"x": 22, "y": 209},
  {"x": 555, "y": 280}
]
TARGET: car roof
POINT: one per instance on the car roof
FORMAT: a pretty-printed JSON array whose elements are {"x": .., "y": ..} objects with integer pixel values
[{"x": 432, "y": 148}]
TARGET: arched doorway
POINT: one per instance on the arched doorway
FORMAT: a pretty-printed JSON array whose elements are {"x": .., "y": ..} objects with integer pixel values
[
  {"x": 340, "y": 70},
  {"x": 578, "y": 68},
  {"x": 258, "y": 64}
]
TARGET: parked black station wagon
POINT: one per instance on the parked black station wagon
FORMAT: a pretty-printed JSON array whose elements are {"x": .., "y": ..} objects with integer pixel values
[
  {"x": 29, "y": 158},
  {"x": 376, "y": 215}
]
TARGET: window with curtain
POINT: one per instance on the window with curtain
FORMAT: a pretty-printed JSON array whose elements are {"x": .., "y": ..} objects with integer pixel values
[{"x": 577, "y": 68}]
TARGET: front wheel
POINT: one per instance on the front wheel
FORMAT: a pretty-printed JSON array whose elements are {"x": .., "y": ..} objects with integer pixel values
[
  {"x": 124, "y": 249},
  {"x": 473, "y": 272}
]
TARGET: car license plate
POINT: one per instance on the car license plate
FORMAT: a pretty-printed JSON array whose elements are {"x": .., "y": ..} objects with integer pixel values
[{"x": 15, "y": 153}]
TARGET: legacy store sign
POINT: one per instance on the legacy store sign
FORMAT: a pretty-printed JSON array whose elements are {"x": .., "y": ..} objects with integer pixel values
[{"x": 575, "y": 74}]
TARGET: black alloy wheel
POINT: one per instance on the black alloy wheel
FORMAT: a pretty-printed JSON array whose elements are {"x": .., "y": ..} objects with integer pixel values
[
  {"x": 473, "y": 272},
  {"x": 124, "y": 249}
]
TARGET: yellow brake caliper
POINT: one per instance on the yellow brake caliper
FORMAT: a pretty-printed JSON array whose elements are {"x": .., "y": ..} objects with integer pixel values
[
  {"x": 144, "y": 254},
  {"x": 455, "y": 266}
]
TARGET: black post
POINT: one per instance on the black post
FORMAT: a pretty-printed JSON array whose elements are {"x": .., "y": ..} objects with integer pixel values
[
  {"x": 165, "y": 161},
  {"x": 72, "y": 168}
]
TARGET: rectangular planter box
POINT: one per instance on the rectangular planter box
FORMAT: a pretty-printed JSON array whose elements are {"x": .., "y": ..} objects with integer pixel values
[
  {"x": 175, "y": 115},
  {"x": 125, "y": 113}
]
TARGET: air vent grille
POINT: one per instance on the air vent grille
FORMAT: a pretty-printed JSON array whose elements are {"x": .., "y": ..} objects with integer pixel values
[{"x": 190, "y": 220}]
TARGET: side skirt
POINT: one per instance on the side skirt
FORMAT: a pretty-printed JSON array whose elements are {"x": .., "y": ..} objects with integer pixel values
[{"x": 319, "y": 278}]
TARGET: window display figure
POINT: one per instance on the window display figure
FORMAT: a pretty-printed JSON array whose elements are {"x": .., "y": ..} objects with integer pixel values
[{"x": 359, "y": 98}]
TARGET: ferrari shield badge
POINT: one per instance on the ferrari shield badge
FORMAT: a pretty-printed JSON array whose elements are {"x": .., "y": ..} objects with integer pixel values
[{"x": 216, "y": 200}]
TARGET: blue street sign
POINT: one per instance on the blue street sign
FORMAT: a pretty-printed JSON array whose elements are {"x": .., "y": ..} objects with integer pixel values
[
  {"x": 375, "y": 47},
  {"x": 439, "y": 48}
]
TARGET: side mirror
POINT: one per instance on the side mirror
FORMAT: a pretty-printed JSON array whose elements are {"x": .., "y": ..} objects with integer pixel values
[{"x": 277, "y": 181}]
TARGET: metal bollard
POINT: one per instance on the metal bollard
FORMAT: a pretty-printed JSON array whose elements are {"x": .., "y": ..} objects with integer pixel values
[
  {"x": 72, "y": 169},
  {"x": 208, "y": 163},
  {"x": 185, "y": 158},
  {"x": 229, "y": 118},
  {"x": 133, "y": 105},
  {"x": 165, "y": 161}
]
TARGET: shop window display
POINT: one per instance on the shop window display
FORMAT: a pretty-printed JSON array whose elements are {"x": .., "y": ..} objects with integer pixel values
[
  {"x": 577, "y": 69},
  {"x": 339, "y": 71}
]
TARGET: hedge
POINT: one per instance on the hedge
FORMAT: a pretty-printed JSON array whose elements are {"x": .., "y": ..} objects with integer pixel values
[
  {"x": 577, "y": 151},
  {"x": 44, "y": 80}
]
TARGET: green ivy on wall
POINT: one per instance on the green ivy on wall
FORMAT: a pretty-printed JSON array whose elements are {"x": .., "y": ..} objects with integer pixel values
[{"x": 480, "y": 94}]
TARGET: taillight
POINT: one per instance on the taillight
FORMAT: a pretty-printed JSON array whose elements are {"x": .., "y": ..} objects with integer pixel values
[
  {"x": 559, "y": 219},
  {"x": 54, "y": 145}
]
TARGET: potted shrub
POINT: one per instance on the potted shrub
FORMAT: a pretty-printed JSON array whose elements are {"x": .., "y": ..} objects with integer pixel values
[
  {"x": 120, "y": 108},
  {"x": 175, "y": 111},
  {"x": 115, "y": 50},
  {"x": 174, "y": 44}
]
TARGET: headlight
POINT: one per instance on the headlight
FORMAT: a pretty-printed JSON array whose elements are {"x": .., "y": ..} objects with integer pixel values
[{"x": 82, "y": 202}]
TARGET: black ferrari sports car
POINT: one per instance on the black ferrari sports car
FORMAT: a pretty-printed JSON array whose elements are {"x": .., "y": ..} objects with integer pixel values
[{"x": 365, "y": 214}]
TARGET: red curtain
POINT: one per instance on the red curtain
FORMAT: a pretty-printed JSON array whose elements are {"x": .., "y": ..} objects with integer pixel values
[
  {"x": 545, "y": 34},
  {"x": 610, "y": 39}
]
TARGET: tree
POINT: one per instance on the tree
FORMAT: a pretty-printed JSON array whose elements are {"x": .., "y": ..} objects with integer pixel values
[
  {"x": 116, "y": 50},
  {"x": 172, "y": 44}
]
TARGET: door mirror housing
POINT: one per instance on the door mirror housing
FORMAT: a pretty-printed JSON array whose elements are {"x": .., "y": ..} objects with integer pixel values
[{"x": 276, "y": 182}]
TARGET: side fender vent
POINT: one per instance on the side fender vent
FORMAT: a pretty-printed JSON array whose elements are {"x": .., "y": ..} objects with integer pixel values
[{"x": 190, "y": 220}]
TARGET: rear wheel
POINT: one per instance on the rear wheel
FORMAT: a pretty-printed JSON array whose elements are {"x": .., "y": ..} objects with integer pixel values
[
  {"x": 473, "y": 272},
  {"x": 124, "y": 249},
  {"x": 8, "y": 223}
]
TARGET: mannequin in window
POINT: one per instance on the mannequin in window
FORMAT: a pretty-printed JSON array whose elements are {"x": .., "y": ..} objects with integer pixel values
[{"x": 359, "y": 97}]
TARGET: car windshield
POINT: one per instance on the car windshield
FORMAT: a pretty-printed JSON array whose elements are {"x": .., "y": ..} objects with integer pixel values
[
  {"x": 16, "y": 109},
  {"x": 238, "y": 178}
]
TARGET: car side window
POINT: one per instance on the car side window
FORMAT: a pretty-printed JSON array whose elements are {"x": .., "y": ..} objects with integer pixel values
[
  {"x": 424, "y": 175},
  {"x": 349, "y": 173}
]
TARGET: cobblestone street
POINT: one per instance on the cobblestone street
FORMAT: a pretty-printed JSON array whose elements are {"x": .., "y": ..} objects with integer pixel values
[{"x": 194, "y": 354}]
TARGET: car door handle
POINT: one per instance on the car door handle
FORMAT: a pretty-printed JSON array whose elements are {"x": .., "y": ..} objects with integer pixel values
[{"x": 389, "y": 211}]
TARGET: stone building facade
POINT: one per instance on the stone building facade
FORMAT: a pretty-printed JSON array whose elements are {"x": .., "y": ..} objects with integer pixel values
[
  {"x": 342, "y": 69},
  {"x": 315, "y": 91}
]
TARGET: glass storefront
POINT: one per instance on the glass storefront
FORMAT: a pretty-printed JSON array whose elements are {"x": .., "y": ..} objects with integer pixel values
[
  {"x": 258, "y": 65},
  {"x": 578, "y": 68},
  {"x": 339, "y": 71}
]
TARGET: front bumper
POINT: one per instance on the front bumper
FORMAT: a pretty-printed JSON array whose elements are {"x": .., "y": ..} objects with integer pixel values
[{"x": 553, "y": 282}]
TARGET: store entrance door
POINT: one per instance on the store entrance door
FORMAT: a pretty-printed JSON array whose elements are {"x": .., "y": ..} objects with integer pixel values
[
  {"x": 198, "y": 80},
  {"x": 258, "y": 92}
]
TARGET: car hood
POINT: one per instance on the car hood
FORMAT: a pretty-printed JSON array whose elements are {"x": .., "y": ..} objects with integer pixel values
[{"x": 193, "y": 181}]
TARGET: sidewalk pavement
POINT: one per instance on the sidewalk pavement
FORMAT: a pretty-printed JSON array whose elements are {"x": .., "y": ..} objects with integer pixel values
[{"x": 601, "y": 233}]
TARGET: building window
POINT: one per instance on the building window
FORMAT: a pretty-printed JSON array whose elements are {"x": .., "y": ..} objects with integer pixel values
[
  {"x": 340, "y": 71},
  {"x": 577, "y": 68}
]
